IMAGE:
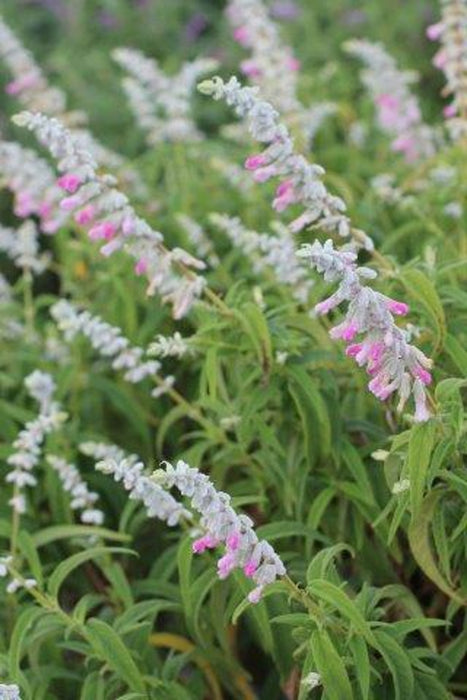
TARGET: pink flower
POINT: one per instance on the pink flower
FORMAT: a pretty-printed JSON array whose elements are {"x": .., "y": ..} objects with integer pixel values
[
  {"x": 203, "y": 543},
  {"x": 422, "y": 374},
  {"x": 225, "y": 565},
  {"x": 353, "y": 350},
  {"x": 44, "y": 210},
  {"x": 398, "y": 307},
  {"x": 250, "y": 568},
  {"x": 86, "y": 215},
  {"x": 50, "y": 226},
  {"x": 240, "y": 34},
  {"x": 263, "y": 174},
  {"x": 324, "y": 307},
  {"x": 405, "y": 144},
  {"x": 434, "y": 31},
  {"x": 450, "y": 111},
  {"x": 23, "y": 83},
  {"x": 69, "y": 182},
  {"x": 285, "y": 196},
  {"x": 233, "y": 541},
  {"x": 253, "y": 162},
  {"x": 346, "y": 331},
  {"x": 250, "y": 69},
  {"x": 24, "y": 205},
  {"x": 293, "y": 63},
  {"x": 440, "y": 59},
  {"x": 70, "y": 203},
  {"x": 105, "y": 229},
  {"x": 141, "y": 266}
]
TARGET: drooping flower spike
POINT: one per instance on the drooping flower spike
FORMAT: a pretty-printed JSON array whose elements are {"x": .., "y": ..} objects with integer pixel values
[
  {"x": 300, "y": 182},
  {"x": 222, "y": 527},
  {"x": 273, "y": 252},
  {"x": 108, "y": 216},
  {"x": 271, "y": 65},
  {"x": 108, "y": 340},
  {"x": 395, "y": 365},
  {"x": 369, "y": 329},
  {"x": 451, "y": 58},
  {"x": 22, "y": 247},
  {"x": 161, "y": 103},
  {"x": 397, "y": 108},
  {"x": 82, "y": 499},
  {"x": 27, "y": 445},
  {"x": 33, "y": 184},
  {"x": 158, "y": 502}
]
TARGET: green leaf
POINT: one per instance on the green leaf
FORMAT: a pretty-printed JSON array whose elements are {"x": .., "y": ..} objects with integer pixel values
[
  {"x": 21, "y": 629},
  {"x": 65, "y": 568},
  {"x": 253, "y": 321},
  {"x": 419, "y": 540},
  {"x": 335, "y": 596},
  {"x": 331, "y": 668},
  {"x": 398, "y": 663},
  {"x": 457, "y": 353},
  {"x": 29, "y": 549},
  {"x": 110, "y": 648},
  {"x": 184, "y": 561},
  {"x": 357, "y": 468},
  {"x": 320, "y": 563},
  {"x": 361, "y": 657},
  {"x": 418, "y": 460},
  {"x": 423, "y": 291},
  {"x": 313, "y": 414},
  {"x": 63, "y": 532},
  {"x": 283, "y": 528}
]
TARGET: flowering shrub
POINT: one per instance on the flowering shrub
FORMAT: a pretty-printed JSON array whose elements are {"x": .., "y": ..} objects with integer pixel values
[{"x": 233, "y": 327}]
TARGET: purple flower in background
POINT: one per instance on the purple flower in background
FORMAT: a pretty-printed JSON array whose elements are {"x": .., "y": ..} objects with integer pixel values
[
  {"x": 195, "y": 26},
  {"x": 352, "y": 18},
  {"x": 55, "y": 6},
  {"x": 107, "y": 20},
  {"x": 285, "y": 9}
]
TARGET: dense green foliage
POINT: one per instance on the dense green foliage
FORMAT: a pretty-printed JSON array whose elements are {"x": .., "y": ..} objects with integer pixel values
[{"x": 127, "y": 611}]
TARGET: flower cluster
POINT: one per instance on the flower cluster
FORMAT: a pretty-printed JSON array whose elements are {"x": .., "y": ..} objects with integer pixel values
[
  {"x": 274, "y": 252},
  {"x": 161, "y": 103},
  {"x": 82, "y": 499},
  {"x": 170, "y": 346},
  {"x": 103, "y": 451},
  {"x": 22, "y": 247},
  {"x": 33, "y": 184},
  {"x": 14, "y": 584},
  {"x": 452, "y": 60},
  {"x": 27, "y": 445},
  {"x": 221, "y": 525},
  {"x": 393, "y": 364},
  {"x": 301, "y": 181},
  {"x": 397, "y": 108},
  {"x": 157, "y": 501},
  {"x": 31, "y": 88},
  {"x": 271, "y": 65},
  {"x": 108, "y": 340},
  {"x": 29, "y": 83},
  {"x": 107, "y": 215},
  {"x": 9, "y": 692},
  {"x": 199, "y": 240}
]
